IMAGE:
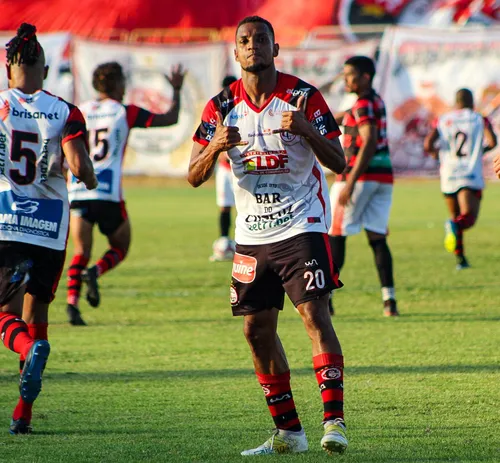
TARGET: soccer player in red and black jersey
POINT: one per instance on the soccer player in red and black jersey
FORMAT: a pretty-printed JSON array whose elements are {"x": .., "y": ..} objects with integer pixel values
[
  {"x": 37, "y": 132},
  {"x": 362, "y": 196},
  {"x": 275, "y": 128},
  {"x": 109, "y": 122}
]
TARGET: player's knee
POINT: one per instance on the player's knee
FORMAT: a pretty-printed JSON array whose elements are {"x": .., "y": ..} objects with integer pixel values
[
  {"x": 315, "y": 319},
  {"x": 378, "y": 245},
  {"x": 257, "y": 333}
]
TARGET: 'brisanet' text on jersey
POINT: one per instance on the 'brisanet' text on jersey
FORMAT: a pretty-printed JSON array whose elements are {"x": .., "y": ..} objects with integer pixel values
[
  {"x": 109, "y": 123},
  {"x": 461, "y": 151},
  {"x": 33, "y": 194},
  {"x": 280, "y": 189}
]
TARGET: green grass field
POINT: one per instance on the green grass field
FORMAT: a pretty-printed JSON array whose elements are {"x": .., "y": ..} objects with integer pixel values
[{"x": 163, "y": 372}]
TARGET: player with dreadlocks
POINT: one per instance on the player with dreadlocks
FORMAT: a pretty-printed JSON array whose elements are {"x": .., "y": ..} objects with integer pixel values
[
  {"x": 109, "y": 122},
  {"x": 37, "y": 132}
]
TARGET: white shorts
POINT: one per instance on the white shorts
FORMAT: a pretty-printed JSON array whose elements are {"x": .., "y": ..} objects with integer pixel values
[
  {"x": 369, "y": 208},
  {"x": 224, "y": 187}
]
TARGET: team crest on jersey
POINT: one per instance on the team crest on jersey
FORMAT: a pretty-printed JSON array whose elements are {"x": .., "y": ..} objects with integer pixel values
[
  {"x": 287, "y": 137},
  {"x": 244, "y": 268}
]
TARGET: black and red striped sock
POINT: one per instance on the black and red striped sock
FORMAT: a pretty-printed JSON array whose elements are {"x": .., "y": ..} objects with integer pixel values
[
  {"x": 78, "y": 264},
  {"x": 110, "y": 259},
  {"x": 280, "y": 400},
  {"x": 14, "y": 333},
  {"x": 329, "y": 370},
  {"x": 23, "y": 409}
]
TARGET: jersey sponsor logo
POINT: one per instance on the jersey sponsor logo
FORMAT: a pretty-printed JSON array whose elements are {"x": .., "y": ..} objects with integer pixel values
[
  {"x": 244, "y": 268},
  {"x": 236, "y": 116},
  {"x": 3, "y": 152},
  {"x": 275, "y": 112},
  {"x": 226, "y": 103},
  {"x": 29, "y": 217},
  {"x": 267, "y": 198},
  {"x": 264, "y": 163},
  {"x": 91, "y": 116},
  {"x": 298, "y": 91},
  {"x": 24, "y": 114},
  {"x": 331, "y": 373},
  {"x": 261, "y": 132},
  {"x": 266, "y": 221}
]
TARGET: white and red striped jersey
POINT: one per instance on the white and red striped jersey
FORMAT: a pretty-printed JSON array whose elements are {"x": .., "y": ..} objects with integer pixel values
[
  {"x": 109, "y": 123},
  {"x": 461, "y": 150},
  {"x": 33, "y": 195},
  {"x": 280, "y": 189}
]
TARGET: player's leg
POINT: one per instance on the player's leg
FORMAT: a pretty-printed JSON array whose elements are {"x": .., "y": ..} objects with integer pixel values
[
  {"x": 375, "y": 221},
  {"x": 223, "y": 247},
  {"x": 258, "y": 295},
  {"x": 40, "y": 292},
  {"x": 469, "y": 202},
  {"x": 115, "y": 224},
  {"x": 453, "y": 237},
  {"x": 346, "y": 220},
  {"x": 81, "y": 231},
  {"x": 309, "y": 275}
]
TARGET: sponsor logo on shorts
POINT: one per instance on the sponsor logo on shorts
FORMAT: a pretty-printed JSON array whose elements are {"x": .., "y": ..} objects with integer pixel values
[
  {"x": 244, "y": 268},
  {"x": 331, "y": 373},
  {"x": 233, "y": 295},
  {"x": 311, "y": 263}
]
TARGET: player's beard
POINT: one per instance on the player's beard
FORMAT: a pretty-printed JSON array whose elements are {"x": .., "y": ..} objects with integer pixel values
[{"x": 258, "y": 67}]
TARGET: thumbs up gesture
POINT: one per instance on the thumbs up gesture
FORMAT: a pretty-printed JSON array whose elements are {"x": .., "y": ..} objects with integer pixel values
[
  {"x": 226, "y": 136},
  {"x": 295, "y": 121}
]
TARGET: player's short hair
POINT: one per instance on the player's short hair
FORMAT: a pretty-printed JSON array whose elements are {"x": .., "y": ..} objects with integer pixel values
[
  {"x": 256, "y": 19},
  {"x": 106, "y": 76},
  {"x": 24, "y": 48},
  {"x": 362, "y": 64},
  {"x": 228, "y": 80},
  {"x": 464, "y": 98}
]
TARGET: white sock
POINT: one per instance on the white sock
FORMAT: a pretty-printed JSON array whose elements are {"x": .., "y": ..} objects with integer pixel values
[{"x": 388, "y": 293}]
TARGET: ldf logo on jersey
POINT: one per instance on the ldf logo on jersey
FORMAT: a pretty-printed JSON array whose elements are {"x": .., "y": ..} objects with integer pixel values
[
  {"x": 244, "y": 268},
  {"x": 266, "y": 164}
]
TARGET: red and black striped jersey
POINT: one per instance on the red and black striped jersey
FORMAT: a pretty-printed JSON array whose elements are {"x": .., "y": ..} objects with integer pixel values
[
  {"x": 280, "y": 189},
  {"x": 368, "y": 109}
]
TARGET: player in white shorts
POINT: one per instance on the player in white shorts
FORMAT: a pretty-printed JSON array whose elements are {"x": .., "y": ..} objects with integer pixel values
[
  {"x": 109, "y": 122},
  {"x": 276, "y": 129},
  {"x": 223, "y": 247},
  {"x": 463, "y": 136},
  {"x": 37, "y": 132},
  {"x": 361, "y": 197}
]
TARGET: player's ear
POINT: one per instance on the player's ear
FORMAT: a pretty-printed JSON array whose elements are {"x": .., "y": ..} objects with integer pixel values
[
  {"x": 45, "y": 72},
  {"x": 276, "y": 49},
  {"x": 7, "y": 67},
  {"x": 236, "y": 55}
]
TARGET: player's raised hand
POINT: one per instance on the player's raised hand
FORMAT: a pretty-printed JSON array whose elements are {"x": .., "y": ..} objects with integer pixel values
[
  {"x": 295, "y": 121},
  {"x": 226, "y": 136},
  {"x": 176, "y": 77},
  {"x": 496, "y": 165}
]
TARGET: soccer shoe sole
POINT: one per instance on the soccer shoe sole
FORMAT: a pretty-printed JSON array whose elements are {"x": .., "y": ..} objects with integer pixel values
[
  {"x": 332, "y": 446},
  {"x": 30, "y": 383},
  {"x": 20, "y": 426}
]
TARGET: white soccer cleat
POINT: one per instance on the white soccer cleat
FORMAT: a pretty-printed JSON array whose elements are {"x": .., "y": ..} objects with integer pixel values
[
  {"x": 335, "y": 439},
  {"x": 281, "y": 442}
]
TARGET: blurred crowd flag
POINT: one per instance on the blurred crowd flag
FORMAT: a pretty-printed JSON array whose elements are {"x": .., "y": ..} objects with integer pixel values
[
  {"x": 156, "y": 151},
  {"x": 56, "y": 47},
  {"x": 419, "y": 72}
]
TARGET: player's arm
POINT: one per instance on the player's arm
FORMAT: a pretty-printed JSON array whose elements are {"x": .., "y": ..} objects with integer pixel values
[
  {"x": 328, "y": 150},
  {"x": 368, "y": 134},
  {"x": 496, "y": 165},
  {"x": 79, "y": 163},
  {"x": 489, "y": 137},
  {"x": 204, "y": 158},
  {"x": 430, "y": 142},
  {"x": 339, "y": 117}
]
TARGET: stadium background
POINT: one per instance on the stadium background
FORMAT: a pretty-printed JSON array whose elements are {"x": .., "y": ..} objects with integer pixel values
[{"x": 431, "y": 49}]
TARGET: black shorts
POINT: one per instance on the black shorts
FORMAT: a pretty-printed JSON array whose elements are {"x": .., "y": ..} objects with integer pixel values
[
  {"x": 108, "y": 215},
  {"x": 20, "y": 261},
  {"x": 301, "y": 266}
]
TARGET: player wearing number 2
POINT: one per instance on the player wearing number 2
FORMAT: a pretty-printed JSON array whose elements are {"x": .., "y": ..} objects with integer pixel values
[
  {"x": 275, "y": 128},
  {"x": 109, "y": 122},
  {"x": 37, "y": 132},
  {"x": 463, "y": 136}
]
